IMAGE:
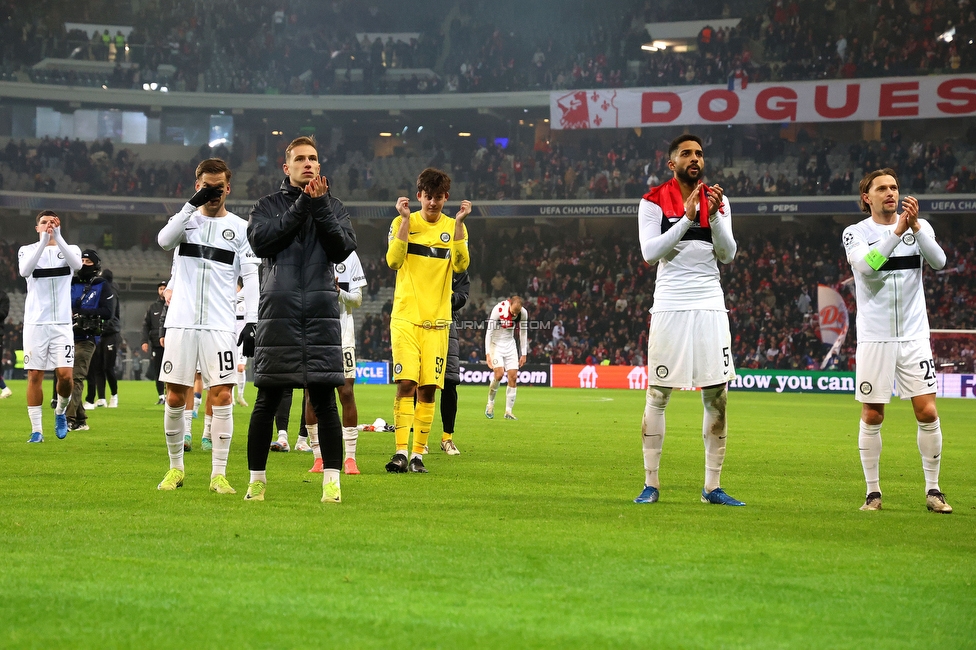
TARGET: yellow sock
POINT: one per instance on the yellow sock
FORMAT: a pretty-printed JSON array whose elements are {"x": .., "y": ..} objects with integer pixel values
[
  {"x": 403, "y": 418},
  {"x": 446, "y": 436},
  {"x": 421, "y": 426}
]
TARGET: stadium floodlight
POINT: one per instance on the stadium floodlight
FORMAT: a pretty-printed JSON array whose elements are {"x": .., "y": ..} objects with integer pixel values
[
  {"x": 420, "y": 129},
  {"x": 153, "y": 86},
  {"x": 404, "y": 131},
  {"x": 648, "y": 47},
  {"x": 218, "y": 141},
  {"x": 104, "y": 87},
  {"x": 145, "y": 86},
  {"x": 385, "y": 134},
  {"x": 948, "y": 35},
  {"x": 163, "y": 89},
  {"x": 464, "y": 134}
]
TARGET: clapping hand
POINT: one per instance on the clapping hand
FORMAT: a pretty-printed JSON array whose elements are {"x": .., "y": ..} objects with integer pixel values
[
  {"x": 403, "y": 207},
  {"x": 464, "y": 211},
  {"x": 317, "y": 187}
]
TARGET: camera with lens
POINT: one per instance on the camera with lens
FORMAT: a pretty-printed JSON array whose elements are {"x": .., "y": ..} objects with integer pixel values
[{"x": 87, "y": 324}]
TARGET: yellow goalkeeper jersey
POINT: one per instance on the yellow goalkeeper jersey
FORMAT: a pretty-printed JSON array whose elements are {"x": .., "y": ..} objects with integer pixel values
[{"x": 425, "y": 266}]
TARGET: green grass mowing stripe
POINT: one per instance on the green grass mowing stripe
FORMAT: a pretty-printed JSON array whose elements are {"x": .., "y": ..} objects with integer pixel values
[{"x": 528, "y": 538}]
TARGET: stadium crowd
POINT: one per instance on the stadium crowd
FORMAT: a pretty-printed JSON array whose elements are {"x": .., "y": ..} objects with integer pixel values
[
  {"x": 591, "y": 298},
  {"x": 766, "y": 165},
  {"x": 303, "y": 47}
]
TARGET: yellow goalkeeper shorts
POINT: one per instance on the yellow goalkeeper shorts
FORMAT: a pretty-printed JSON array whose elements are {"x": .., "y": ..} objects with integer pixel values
[{"x": 419, "y": 354}]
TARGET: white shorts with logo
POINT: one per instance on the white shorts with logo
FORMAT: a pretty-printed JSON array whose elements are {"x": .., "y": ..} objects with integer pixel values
[
  {"x": 689, "y": 349},
  {"x": 188, "y": 351},
  {"x": 349, "y": 363},
  {"x": 47, "y": 347},
  {"x": 505, "y": 355},
  {"x": 886, "y": 367}
]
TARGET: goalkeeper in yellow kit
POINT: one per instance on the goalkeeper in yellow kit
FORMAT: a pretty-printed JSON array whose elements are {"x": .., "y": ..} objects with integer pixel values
[{"x": 426, "y": 248}]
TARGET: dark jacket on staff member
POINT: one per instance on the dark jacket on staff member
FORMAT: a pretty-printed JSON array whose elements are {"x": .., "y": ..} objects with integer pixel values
[{"x": 298, "y": 340}]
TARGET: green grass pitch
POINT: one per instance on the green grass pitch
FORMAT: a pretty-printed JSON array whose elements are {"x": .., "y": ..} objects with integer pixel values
[{"x": 528, "y": 539}]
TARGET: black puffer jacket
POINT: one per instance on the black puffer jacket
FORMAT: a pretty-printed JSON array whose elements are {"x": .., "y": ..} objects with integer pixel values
[{"x": 299, "y": 339}]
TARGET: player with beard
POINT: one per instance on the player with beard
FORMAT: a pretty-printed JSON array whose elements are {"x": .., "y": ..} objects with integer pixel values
[
  {"x": 685, "y": 228},
  {"x": 886, "y": 252}
]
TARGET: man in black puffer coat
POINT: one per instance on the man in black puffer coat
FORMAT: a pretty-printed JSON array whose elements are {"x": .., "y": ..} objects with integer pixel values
[{"x": 300, "y": 232}]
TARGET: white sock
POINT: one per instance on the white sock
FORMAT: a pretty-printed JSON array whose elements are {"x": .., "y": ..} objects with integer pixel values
[
  {"x": 715, "y": 428},
  {"x": 207, "y": 421},
  {"x": 222, "y": 429},
  {"x": 869, "y": 444},
  {"x": 652, "y": 432},
  {"x": 261, "y": 476},
  {"x": 283, "y": 435},
  {"x": 62, "y": 405},
  {"x": 492, "y": 390},
  {"x": 510, "y": 398},
  {"x": 313, "y": 440},
  {"x": 188, "y": 423},
  {"x": 197, "y": 400},
  {"x": 350, "y": 435},
  {"x": 36, "y": 415},
  {"x": 173, "y": 428},
  {"x": 930, "y": 446},
  {"x": 420, "y": 456},
  {"x": 241, "y": 380},
  {"x": 329, "y": 475}
]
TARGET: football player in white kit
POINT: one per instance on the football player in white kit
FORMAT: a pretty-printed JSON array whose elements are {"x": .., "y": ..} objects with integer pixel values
[
  {"x": 49, "y": 342},
  {"x": 212, "y": 251},
  {"x": 501, "y": 352},
  {"x": 689, "y": 342},
  {"x": 350, "y": 280},
  {"x": 886, "y": 252}
]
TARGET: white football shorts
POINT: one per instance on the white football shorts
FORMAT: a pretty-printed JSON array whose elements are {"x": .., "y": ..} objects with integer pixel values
[
  {"x": 188, "y": 351},
  {"x": 886, "y": 367},
  {"x": 47, "y": 347},
  {"x": 689, "y": 349},
  {"x": 349, "y": 363},
  {"x": 505, "y": 355}
]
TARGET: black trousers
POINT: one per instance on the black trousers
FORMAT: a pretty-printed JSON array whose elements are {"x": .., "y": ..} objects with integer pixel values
[
  {"x": 449, "y": 403},
  {"x": 283, "y": 414},
  {"x": 155, "y": 362},
  {"x": 260, "y": 431},
  {"x": 102, "y": 368}
]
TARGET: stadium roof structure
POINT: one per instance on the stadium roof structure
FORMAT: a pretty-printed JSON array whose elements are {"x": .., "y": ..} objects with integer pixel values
[{"x": 116, "y": 98}]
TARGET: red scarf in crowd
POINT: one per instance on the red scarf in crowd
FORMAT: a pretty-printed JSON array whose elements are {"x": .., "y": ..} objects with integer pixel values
[{"x": 668, "y": 197}]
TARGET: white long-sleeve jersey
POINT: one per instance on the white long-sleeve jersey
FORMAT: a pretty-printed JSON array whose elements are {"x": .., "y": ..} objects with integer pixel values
[
  {"x": 500, "y": 332},
  {"x": 687, "y": 257},
  {"x": 48, "y": 270},
  {"x": 891, "y": 300},
  {"x": 211, "y": 253},
  {"x": 351, "y": 279}
]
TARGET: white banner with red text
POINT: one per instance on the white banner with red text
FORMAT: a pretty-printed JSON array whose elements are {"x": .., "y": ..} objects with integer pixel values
[{"x": 841, "y": 100}]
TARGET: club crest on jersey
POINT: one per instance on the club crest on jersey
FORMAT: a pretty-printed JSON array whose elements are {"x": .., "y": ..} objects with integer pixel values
[
  {"x": 445, "y": 237},
  {"x": 662, "y": 372},
  {"x": 60, "y": 256},
  {"x": 229, "y": 235},
  {"x": 397, "y": 369},
  {"x": 168, "y": 367},
  {"x": 908, "y": 239},
  {"x": 865, "y": 387},
  {"x": 340, "y": 268}
]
